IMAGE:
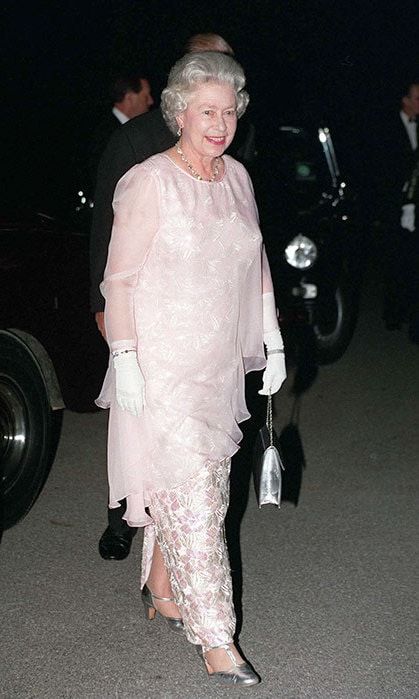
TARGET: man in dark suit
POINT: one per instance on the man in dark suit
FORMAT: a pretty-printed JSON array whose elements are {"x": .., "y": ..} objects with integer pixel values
[
  {"x": 397, "y": 158},
  {"x": 130, "y": 96},
  {"x": 137, "y": 140},
  {"x": 410, "y": 254}
]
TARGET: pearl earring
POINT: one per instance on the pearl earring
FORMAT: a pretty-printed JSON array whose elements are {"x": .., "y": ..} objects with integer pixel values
[{"x": 179, "y": 131}]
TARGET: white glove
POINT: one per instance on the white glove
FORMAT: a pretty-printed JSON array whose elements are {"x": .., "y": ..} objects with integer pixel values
[
  {"x": 270, "y": 318},
  {"x": 407, "y": 219},
  {"x": 130, "y": 384},
  {"x": 275, "y": 372}
]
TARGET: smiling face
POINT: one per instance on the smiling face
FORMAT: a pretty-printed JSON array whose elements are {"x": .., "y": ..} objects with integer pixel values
[{"x": 209, "y": 121}]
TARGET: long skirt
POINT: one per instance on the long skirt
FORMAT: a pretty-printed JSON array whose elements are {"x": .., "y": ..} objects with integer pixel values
[{"x": 188, "y": 522}]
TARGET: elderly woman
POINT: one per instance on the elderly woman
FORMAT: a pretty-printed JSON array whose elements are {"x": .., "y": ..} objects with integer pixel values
[{"x": 189, "y": 304}]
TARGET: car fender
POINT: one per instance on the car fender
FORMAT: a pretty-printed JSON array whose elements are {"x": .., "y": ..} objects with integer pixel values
[{"x": 42, "y": 358}]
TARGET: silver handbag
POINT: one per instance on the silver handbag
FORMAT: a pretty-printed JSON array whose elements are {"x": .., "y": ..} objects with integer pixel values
[{"x": 267, "y": 464}]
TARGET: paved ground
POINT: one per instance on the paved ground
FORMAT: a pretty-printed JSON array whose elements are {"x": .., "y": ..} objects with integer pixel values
[{"x": 330, "y": 587}]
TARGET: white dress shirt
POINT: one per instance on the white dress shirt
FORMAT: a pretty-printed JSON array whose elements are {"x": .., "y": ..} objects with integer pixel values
[
  {"x": 408, "y": 215},
  {"x": 411, "y": 129},
  {"x": 120, "y": 115}
]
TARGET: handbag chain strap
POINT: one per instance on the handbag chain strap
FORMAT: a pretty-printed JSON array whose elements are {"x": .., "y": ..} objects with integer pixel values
[{"x": 269, "y": 420}]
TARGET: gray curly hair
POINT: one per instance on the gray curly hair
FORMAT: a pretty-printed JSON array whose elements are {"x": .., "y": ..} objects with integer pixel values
[{"x": 197, "y": 68}]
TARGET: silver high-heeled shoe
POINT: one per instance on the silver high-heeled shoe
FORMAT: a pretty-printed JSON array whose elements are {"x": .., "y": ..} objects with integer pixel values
[
  {"x": 240, "y": 674},
  {"x": 150, "y": 610}
]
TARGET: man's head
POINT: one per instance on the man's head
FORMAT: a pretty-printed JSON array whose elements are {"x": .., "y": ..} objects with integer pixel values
[
  {"x": 131, "y": 95},
  {"x": 208, "y": 42},
  {"x": 410, "y": 100}
]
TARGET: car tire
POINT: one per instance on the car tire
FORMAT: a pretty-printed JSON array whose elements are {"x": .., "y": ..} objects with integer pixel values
[
  {"x": 335, "y": 323},
  {"x": 29, "y": 430}
]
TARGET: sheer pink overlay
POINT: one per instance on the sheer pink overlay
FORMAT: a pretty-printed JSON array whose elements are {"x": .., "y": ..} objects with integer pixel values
[{"x": 183, "y": 285}]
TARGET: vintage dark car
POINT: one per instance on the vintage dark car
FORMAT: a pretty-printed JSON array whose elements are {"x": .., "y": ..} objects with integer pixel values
[
  {"x": 51, "y": 354},
  {"x": 313, "y": 237}
]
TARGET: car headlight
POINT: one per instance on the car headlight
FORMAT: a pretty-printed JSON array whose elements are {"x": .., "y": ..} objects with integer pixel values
[{"x": 301, "y": 252}]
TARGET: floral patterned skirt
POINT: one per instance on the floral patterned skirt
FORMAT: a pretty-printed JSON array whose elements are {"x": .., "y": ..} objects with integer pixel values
[{"x": 188, "y": 522}]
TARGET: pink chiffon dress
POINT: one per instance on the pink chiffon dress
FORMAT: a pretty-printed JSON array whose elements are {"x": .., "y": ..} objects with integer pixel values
[{"x": 183, "y": 286}]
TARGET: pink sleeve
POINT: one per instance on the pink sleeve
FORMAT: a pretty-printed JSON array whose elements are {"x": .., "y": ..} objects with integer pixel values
[
  {"x": 267, "y": 285},
  {"x": 136, "y": 220}
]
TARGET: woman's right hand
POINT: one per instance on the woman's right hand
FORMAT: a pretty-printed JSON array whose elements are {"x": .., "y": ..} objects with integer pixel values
[{"x": 129, "y": 381}]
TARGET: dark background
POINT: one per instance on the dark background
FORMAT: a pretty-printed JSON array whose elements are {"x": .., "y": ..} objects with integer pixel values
[{"x": 337, "y": 62}]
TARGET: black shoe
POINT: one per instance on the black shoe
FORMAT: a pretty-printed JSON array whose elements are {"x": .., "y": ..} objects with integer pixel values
[{"x": 114, "y": 546}]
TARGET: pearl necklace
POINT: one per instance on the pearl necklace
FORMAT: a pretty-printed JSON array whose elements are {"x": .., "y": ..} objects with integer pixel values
[{"x": 192, "y": 170}]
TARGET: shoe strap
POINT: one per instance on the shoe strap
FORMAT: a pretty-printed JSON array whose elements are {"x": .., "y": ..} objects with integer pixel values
[
  {"x": 162, "y": 599},
  {"x": 227, "y": 650}
]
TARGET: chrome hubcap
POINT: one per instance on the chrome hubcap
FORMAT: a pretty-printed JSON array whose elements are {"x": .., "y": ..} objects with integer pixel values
[{"x": 13, "y": 429}]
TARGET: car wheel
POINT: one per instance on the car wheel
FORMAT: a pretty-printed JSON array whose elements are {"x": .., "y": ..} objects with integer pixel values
[
  {"x": 335, "y": 322},
  {"x": 29, "y": 430}
]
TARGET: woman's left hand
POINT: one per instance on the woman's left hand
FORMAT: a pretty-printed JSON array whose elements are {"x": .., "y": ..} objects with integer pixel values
[{"x": 274, "y": 374}]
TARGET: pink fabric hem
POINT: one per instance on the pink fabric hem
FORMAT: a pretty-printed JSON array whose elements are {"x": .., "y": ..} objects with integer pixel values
[{"x": 135, "y": 514}]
